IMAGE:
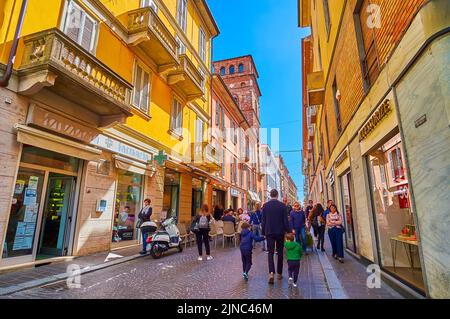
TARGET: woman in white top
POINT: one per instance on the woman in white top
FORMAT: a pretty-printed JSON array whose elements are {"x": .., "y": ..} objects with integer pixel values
[{"x": 335, "y": 231}]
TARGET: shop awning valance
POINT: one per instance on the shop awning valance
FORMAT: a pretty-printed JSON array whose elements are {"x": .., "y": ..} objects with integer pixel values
[
  {"x": 133, "y": 166},
  {"x": 35, "y": 137}
]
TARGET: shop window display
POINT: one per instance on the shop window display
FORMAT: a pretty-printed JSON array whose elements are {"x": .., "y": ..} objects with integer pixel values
[
  {"x": 396, "y": 234},
  {"x": 128, "y": 203}
]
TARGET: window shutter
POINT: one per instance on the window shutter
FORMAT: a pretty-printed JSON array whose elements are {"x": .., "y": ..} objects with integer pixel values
[
  {"x": 73, "y": 23},
  {"x": 217, "y": 113},
  {"x": 137, "y": 86},
  {"x": 88, "y": 33}
]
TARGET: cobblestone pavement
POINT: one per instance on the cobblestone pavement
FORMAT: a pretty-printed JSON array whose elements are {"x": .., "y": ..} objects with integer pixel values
[{"x": 182, "y": 276}]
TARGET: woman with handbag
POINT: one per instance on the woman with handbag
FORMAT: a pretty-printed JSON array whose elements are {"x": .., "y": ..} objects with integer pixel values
[
  {"x": 335, "y": 231},
  {"x": 201, "y": 225},
  {"x": 144, "y": 216}
]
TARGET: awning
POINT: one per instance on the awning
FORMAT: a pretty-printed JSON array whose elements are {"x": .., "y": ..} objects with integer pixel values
[
  {"x": 55, "y": 143},
  {"x": 253, "y": 196},
  {"x": 133, "y": 166}
]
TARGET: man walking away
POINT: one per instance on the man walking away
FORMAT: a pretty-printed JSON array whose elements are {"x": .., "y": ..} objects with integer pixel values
[{"x": 274, "y": 227}]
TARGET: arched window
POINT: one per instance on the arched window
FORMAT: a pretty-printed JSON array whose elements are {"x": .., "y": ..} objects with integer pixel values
[
  {"x": 241, "y": 68},
  {"x": 232, "y": 69},
  {"x": 222, "y": 71}
]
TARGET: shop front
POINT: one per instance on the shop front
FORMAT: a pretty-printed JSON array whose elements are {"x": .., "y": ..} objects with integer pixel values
[
  {"x": 132, "y": 169},
  {"x": 43, "y": 206},
  {"x": 219, "y": 198},
  {"x": 45, "y": 196},
  {"x": 197, "y": 196},
  {"x": 171, "y": 193},
  {"x": 347, "y": 198},
  {"x": 235, "y": 198},
  {"x": 397, "y": 239}
]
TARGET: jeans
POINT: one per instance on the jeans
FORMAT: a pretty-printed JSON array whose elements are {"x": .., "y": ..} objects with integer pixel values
[
  {"x": 278, "y": 242},
  {"x": 246, "y": 260},
  {"x": 293, "y": 269},
  {"x": 203, "y": 237},
  {"x": 321, "y": 236},
  {"x": 144, "y": 241},
  {"x": 300, "y": 237},
  {"x": 257, "y": 233},
  {"x": 337, "y": 242}
]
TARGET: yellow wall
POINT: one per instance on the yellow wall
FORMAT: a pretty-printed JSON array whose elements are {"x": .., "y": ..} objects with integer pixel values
[{"x": 113, "y": 51}]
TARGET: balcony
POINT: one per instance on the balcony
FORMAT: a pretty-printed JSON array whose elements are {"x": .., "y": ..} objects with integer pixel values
[
  {"x": 148, "y": 34},
  {"x": 187, "y": 79},
  {"x": 204, "y": 155},
  {"x": 54, "y": 61},
  {"x": 316, "y": 88}
]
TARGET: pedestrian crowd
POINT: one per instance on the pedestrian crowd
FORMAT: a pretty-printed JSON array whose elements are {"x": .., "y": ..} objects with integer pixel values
[{"x": 280, "y": 227}]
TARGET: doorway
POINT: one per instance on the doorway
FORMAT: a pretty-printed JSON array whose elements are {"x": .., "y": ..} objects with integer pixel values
[
  {"x": 42, "y": 215},
  {"x": 57, "y": 216}
]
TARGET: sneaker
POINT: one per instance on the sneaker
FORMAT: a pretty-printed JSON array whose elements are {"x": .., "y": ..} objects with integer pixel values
[
  {"x": 143, "y": 252},
  {"x": 209, "y": 258},
  {"x": 245, "y": 275},
  {"x": 271, "y": 278},
  {"x": 335, "y": 256},
  {"x": 200, "y": 258},
  {"x": 341, "y": 260},
  {"x": 294, "y": 285},
  {"x": 290, "y": 281}
]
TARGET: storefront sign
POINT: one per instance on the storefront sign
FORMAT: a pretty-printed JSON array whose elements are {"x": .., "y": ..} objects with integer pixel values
[
  {"x": 375, "y": 120},
  {"x": 234, "y": 192},
  {"x": 60, "y": 124},
  {"x": 115, "y": 146},
  {"x": 341, "y": 158}
]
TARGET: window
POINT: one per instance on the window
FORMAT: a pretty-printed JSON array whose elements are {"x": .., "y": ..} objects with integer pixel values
[
  {"x": 241, "y": 68},
  {"x": 176, "y": 117},
  {"x": 203, "y": 84},
  {"x": 234, "y": 132},
  {"x": 223, "y": 162},
  {"x": 224, "y": 131},
  {"x": 235, "y": 172},
  {"x": 149, "y": 3},
  {"x": 182, "y": 14},
  {"x": 202, "y": 44},
  {"x": 80, "y": 27},
  {"x": 222, "y": 71},
  {"x": 217, "y": 119},
  {"x": 370, "y": 63},
  {"x": 337, "y": 108},
  {"x": 326, "y": 12},
  {"x": 232, "y": 69},
  {"x": 199, "y": 129},
  {"x": 181, "y": 46},
  {"x": 141, "y": 89},
  {"x": 247, "y": 148}
]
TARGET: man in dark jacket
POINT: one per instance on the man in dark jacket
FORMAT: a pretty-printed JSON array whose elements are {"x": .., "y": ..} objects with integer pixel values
[
  {"x": 144, "y": 216},
  {"x": 297, "y": 223},
  {"x": 274, "y": 226}
]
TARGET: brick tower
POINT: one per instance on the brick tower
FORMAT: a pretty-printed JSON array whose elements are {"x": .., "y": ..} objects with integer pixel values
[{"x": 241, "y": 77}]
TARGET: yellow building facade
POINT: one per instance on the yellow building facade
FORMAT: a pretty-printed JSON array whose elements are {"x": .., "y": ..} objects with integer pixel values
[{"x": 108, "y": 103}]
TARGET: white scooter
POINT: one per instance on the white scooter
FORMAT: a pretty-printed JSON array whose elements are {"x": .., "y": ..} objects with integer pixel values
[{"x": 165, "y": 238}]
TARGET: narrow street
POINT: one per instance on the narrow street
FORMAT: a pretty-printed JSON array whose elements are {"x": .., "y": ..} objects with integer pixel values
[{"x": 182, "y": 276}]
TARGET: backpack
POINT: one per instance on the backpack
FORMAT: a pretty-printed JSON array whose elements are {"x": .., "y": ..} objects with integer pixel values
[{"x": 203, "y": 222}]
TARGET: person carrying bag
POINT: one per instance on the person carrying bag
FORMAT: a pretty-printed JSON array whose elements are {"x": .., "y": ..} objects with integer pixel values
[{"x": 144, "y": 216}]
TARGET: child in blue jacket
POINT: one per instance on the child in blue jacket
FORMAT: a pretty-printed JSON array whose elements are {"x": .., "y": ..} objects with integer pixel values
[{"x": 247, "y": 239}]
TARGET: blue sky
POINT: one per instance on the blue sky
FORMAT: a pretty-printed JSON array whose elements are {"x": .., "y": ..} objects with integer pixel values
[{"x": 267, "y": 29}]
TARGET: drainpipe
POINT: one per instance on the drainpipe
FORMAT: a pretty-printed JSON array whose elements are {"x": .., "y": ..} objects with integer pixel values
[{"x": 4, "y": 81}]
